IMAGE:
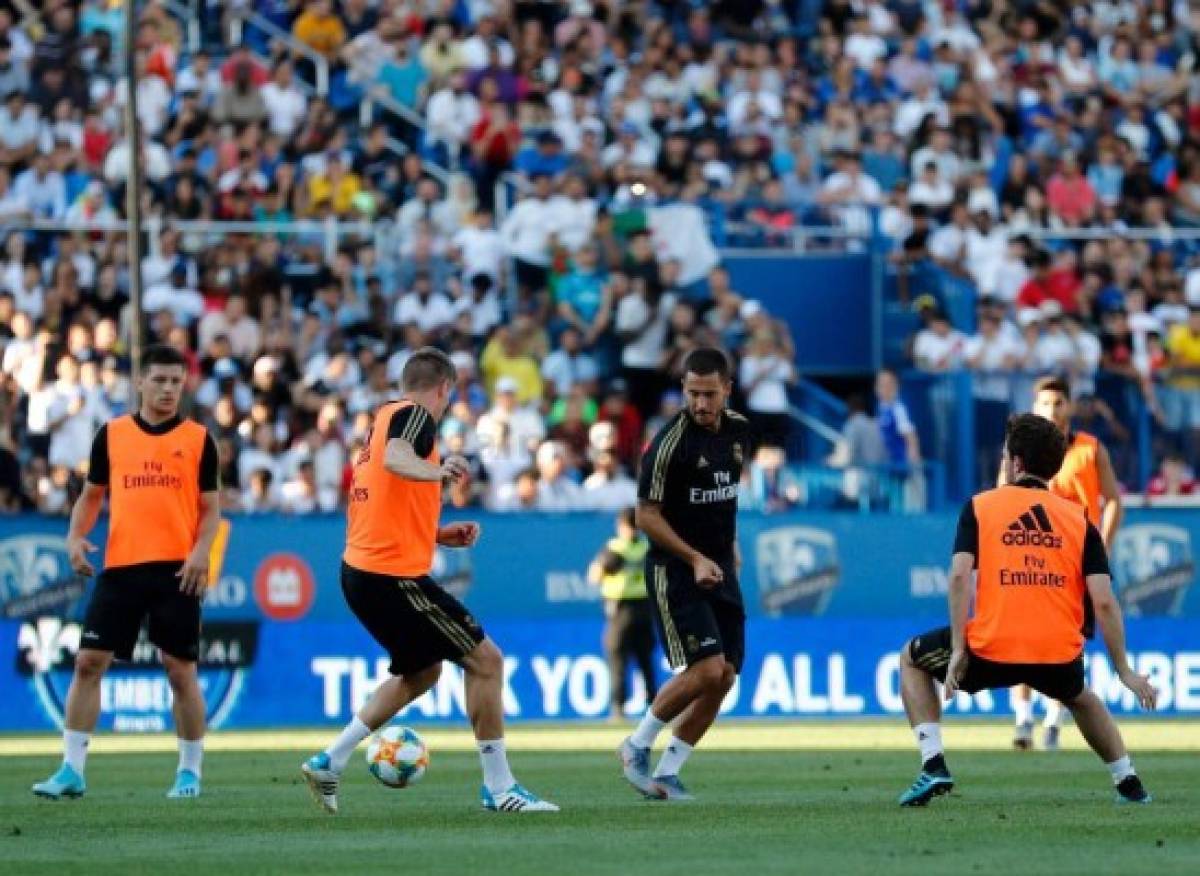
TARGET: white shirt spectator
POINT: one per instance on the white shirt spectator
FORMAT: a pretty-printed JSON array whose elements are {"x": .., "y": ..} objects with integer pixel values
[
  {"x": 526, "y": 231},
  {"x": 207, "y": 85},
  {"x": 993, "y": 354},
  {"x": 911, "y": 112},
  {"x": 19, "y": 130},
  {"x": 71, "y": 440},
  {"x": 185, "y": 304},
  {"x": 645, "y": 350},
  {"x": 45, "y": 195},
  {"x": 440, "y": 214},
  {"x": 245, "y": 336},
  {"x": 526, "y": 429},
  {"x": 153, "y": 102},
  {"x": 564, "y": 370},
  {"x": 766, "y": 379},
  {"x": 604, "y": 493},
  {"x": 450, "y": 116},
  {"x": 561, "y": 494},
  {"x": 482, "y": 251},
  {"x": 475, "y": 51},
  {"x": 251, "y": 459},
  {"x": 639, "y": 154},
  {"x": 934, "y": 352},
  {"x": 574, "y": 220},
  {"x": 738, "y": 108},
  {"x": 948, "y": 243},
  {"x": 936, "y": 194},
  {"x": 1055, "y": 351},
  {"x": 1191, "y": 287},
  {"x": 865, "y": 49},
  {"x": 286, "y": 108},
  {"x": 430, "y": 315},
  {"x": 948, "y": 164},
  {"x": 156, "y": 161},
  {"x": 502, "y": 467},
  {"x": 485, "y": 315},
  {"x": 985, "y": 255}
]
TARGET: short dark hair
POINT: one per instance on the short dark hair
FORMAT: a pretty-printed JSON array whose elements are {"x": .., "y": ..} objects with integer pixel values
[
  {"x": 427, "y": 368},
  {"x": 1037, "y": 442},
  {"x": 161, "y": 354},
  {"x": 1052, "y": 383},
  {"x": 707, "y": 360}
]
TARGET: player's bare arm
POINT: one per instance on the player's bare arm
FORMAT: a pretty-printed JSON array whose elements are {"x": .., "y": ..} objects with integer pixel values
[
  {"x": 402, "y": 460},
  {"x": 1114, "y": 510},
  {"x": 961, "y": 567},
  {"x": 83, "y": 519},
  {"x": 193, "y": 577},
  {"x": 1112, "y": 628},
  {"x": 651, "y": 521}
]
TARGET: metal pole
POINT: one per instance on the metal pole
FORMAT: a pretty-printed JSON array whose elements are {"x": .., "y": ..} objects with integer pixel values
[{"x": 133, "y": 195}]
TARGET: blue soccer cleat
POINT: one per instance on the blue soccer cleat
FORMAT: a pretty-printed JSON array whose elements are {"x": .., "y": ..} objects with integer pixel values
[
  {"x": 926, "y": 787},
  {"x": 187, "y": 786},
  {"x": 673, "y": 789},
  {"x": 635, "y": 766},
  {"x": 322, "y": 780},
  {"x": 515, "y": 799},
  {"x": 1131, "y": 790},
  {"x": 64, "y": 783}
]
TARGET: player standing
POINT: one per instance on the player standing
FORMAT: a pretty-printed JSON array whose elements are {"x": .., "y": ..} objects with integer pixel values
[
  {"x": 1037, "y": 557},
  {"x": 161, "y": 476},
  {"x": 392, "y": 532},
  {"x": 1086, "y": 478},
  {"x": 687, "y": 506}
]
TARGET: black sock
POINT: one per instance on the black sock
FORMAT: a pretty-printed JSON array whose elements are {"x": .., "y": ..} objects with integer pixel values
[{"x": 935, "y": 764}]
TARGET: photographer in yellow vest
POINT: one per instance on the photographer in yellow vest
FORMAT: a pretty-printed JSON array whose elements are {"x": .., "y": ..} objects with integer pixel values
[{"x": 619, "y": 571}]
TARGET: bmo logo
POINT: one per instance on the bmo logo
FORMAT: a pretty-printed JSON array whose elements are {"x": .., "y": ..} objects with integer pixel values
[{"x": 283, "y": 587}]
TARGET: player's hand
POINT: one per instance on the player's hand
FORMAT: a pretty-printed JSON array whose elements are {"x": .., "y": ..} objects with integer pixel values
[
  {"x": 454, "y": 469},
  {"x": 193, "y": 577},
  {"x": 77, "y": 551},
  {"x": 708, "y": 574},
  {"x": 459, "y": 534},
  {"x": 955, "y": 670},
  {"x": 1146, "y": 693}
]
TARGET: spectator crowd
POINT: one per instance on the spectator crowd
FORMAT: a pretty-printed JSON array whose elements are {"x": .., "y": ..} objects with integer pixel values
[{"x": 512, "y": 226}]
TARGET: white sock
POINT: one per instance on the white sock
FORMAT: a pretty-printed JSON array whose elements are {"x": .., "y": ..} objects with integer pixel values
[
  {"x": 1054, "y": 714},
  {"x": 341, "y": 749},
  {"x": 647, "y": 731},
  {"x": 1121, "y": 769},
  {"x": 496, "y": 775},
  {"x": 75, "y": 746},
  {"x": 1022, "y": 710},
  {"x": 191, "y": 753},
  {"x": 673, "y": 757},
  {"x": 929, "y": 739}
]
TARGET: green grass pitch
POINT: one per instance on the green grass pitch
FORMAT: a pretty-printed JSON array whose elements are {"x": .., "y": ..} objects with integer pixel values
[{"x": 773, "y": 798}]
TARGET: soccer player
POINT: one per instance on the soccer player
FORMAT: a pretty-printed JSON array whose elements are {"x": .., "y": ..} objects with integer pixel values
[
  {"x": 687, "y": 506},
  {"x": 1086, "y": 478},
  {"x": 392, "y": 532},
  {"x": 161, "y": 475},
  {"x": 1037, "y": 556}
]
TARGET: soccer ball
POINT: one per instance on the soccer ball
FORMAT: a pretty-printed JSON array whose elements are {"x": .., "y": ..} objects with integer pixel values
[{"x": 397, "y": 756}]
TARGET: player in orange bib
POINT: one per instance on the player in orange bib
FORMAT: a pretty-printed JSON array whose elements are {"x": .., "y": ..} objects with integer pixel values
[
  {"x": 1087, "y": 479},
  {"x": 161, "y": 476},
  {"x": 391, "y": 535},
  {"x": 1035, "y": 557}
]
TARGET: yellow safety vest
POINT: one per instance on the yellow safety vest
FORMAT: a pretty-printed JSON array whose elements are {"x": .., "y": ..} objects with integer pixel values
[{"x": 630, "y": 582}]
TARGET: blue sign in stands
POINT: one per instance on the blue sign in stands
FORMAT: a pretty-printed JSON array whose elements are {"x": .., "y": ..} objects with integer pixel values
[{"x": 831, "y": 598}]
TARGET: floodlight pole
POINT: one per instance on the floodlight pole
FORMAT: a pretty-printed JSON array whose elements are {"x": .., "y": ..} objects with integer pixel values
[{"x": 133, "y": 197}]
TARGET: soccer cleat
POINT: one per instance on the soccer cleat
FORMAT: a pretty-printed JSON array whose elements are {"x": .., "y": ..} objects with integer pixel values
[
  {"x": 322, "y": 781},
  {"x": 1050, "y": 740},
  {"x": 673, "y": 789},
  {"x": 926, "y": 787},
  {"x": 515, "y": 799},
  {"x": 187, "y": 785},
  {"x": 1023, "y": 737},
  {"x": 1131, "y": 790},
  {"x": 64, "y": 783},
  {"x": 635, "y": 766}
]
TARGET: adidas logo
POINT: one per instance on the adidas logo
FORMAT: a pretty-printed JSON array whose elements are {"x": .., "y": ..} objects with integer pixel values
[
  {"x": 1032, "y": 529},
  {"x": 922, "y": 736},
  {"x": 703, "y": 463}
]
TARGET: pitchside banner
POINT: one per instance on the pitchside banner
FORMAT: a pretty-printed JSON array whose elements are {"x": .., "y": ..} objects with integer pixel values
[{"x": 831, "y": 598}]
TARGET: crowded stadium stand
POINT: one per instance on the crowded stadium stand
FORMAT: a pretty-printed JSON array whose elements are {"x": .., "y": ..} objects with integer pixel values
[{"x": 894, "y": 215}]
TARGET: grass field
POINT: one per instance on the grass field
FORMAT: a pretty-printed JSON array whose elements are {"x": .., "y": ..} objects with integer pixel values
[{"x": 774, "y": 798}]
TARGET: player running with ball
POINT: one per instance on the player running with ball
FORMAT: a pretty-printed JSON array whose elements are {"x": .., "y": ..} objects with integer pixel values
[
  {"x": 395, "y": 502},
  {"x": 1036, "y": 556}
]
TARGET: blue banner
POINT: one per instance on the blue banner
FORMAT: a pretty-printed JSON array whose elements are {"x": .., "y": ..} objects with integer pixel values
[{"x": 831, "y": 598}]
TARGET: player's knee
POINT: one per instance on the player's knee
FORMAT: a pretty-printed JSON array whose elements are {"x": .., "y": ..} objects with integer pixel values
[
  {"x": 728, "y": 677},
  {"x": 181, "y": 675},
  {"x": 91, "y": 665},
  {"x": 710, "y": 673},
  {"x": 485, "y": 661},
  {"x": 906, "y": 660}
]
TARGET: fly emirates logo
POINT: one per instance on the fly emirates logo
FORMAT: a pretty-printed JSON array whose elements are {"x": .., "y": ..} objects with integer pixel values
[
  {"x": 152, "y": 475},
  {"x": 724, "y": 490},
  {"x": 1032, "y": 529}
]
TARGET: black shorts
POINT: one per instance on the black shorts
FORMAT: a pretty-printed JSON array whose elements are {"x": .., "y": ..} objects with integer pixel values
[
  {"x": 1060, "y": 681},
  {"x": 692, "y": 622},
  {"x": 127, "y": 596},
  {"x": 417, "y": 622}
]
